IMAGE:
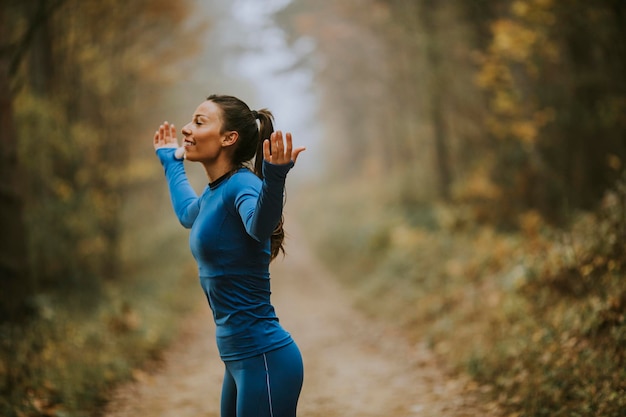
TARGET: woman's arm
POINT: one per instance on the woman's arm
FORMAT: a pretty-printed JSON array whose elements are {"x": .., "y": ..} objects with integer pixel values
[
  {"x": 261, "y": 213},
  {"x": 184, "y": 199},
  {"x": 261, "y": 210}
]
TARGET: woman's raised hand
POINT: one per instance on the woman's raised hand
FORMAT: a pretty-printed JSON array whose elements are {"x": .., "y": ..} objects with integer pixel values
[
  {"x": 165, "y": 137},
  {"x": 281, "y": 153}
]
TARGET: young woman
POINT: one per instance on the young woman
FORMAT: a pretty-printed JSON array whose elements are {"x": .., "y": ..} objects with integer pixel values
[{"x": 236, "y": 230}]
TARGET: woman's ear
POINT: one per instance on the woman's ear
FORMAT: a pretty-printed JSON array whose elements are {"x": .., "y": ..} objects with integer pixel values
[{"x": 230, "y": 138}]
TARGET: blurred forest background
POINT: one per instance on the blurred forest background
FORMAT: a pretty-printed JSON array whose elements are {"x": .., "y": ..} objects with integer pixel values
[{"x": 465, "y": 178}]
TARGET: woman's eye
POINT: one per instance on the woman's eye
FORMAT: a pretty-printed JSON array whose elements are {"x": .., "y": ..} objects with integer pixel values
[{"x": 198, "y": 123}]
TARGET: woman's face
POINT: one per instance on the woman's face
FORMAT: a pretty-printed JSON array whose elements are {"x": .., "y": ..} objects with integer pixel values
[{"x": 203, "y": 140}]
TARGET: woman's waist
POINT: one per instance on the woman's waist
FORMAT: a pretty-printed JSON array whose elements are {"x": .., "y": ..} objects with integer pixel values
[
  {"x": 238, "y": 301},
  {"x": 216, "y": 270},
  {"x": 264, "y": 336}
]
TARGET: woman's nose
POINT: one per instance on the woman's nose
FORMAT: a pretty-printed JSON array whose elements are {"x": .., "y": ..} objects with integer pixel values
[{"x": 185, "y": 131}]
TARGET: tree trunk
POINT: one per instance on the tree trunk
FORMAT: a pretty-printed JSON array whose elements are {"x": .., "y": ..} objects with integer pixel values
[
  {"x": 15, "y": 278},
  {"x": 435, "y": 97}
]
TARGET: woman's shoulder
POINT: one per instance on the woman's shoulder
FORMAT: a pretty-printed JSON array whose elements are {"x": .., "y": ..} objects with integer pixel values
[
  {"x": 243, "y": 179},
  {"x": 246, "y": 175}
]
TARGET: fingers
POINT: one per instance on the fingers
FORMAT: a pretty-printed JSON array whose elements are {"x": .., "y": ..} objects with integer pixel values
[
  {"x": 266, "y": 150},
  {"x": 278, "y": 151},
  {"x": 173, "y": 131},
  {"x": 295, "y": 154},
  {"x": 277, "y": 144},
  {"x": 165, "y": 136},
  {"x": 289, "y": 144},
  {"x": 168, "y": 132},
  {"x": 273, "y": 149}
]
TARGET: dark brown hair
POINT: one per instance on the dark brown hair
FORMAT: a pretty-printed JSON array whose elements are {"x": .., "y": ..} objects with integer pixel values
[{"x": 237, "y": 116}]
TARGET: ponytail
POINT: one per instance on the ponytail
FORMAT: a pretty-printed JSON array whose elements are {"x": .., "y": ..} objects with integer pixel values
[{"x": 266, "y": 128}]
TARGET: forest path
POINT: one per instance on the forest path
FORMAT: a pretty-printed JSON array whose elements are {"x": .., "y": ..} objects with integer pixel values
[{"x": 353, "y": 366}]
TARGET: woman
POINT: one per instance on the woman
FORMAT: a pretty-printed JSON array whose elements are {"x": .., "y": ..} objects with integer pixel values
[{"x": 236, "y": 230}]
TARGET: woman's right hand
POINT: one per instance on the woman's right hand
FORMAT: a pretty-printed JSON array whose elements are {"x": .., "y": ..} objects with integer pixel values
[
  {"x": 277, "y": 152},
  {"x": 165, "y": 137}
]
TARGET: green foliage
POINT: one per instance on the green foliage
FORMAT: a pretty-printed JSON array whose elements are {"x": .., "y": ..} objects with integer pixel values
[
  {"x": 85, "y": 82},
  {"x": 89, "y": 75},
  {"x": 574, "y": 353},
  {"x": 66, "y": 211},
  {"x": 537, "y": 317},
  {"x": 512, "y": 113},
  {"x": 554, "y": 95},
  {"x": 64, "y": 362},
  {"x": 507, "y": 106}
]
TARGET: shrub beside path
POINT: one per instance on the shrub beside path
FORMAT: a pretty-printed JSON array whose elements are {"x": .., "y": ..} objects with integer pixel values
[{"x": 354, "y": 367}]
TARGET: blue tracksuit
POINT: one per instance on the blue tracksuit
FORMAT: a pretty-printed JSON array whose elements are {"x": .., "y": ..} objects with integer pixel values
[{"x": 231, "y": 224}]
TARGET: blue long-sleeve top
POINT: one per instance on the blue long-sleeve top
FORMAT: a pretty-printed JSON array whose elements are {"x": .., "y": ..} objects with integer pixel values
[{"x": 231, "y": 224}]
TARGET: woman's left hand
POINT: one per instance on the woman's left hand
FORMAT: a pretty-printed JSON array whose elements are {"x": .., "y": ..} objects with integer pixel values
[
  {"x": 281, "y": 153},
  {"x": 165, "y": 137}
]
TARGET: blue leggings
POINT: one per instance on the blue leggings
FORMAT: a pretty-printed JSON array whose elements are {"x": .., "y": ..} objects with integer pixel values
[{"x": 267, "y": 385}]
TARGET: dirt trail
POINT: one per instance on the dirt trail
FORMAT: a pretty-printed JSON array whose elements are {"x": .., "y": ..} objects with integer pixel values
[{"x": 353, "y": 366}]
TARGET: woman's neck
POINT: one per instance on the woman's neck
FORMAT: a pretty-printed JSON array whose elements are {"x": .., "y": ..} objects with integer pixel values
[{"x": 217, "y": 169}]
